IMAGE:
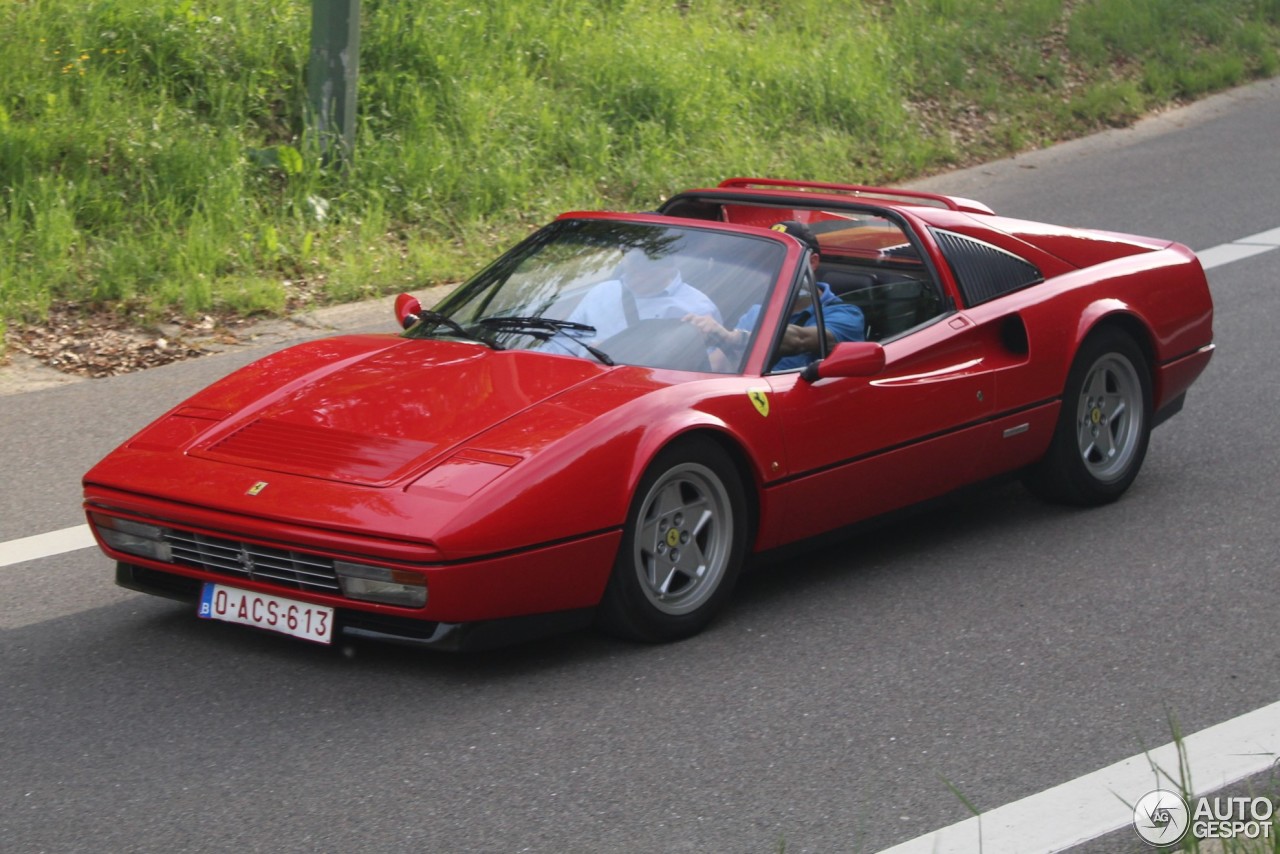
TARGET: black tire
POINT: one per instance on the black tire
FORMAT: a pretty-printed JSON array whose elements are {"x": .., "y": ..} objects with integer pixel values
[
  {"x": 1102, "y": 434},
  {"x": 683, "y": 545}
]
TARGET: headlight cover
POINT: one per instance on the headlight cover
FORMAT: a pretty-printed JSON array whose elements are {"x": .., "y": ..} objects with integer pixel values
[
  {"x": 381, "y": 584},
  {"x": 135, "y": 538}
]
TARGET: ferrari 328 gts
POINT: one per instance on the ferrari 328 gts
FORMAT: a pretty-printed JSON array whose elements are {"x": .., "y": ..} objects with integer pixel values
[{"x": 605, "y": 424}]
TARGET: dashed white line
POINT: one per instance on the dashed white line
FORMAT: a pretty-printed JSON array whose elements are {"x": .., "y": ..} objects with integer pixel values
[
  {"x": 1238, "y": 250},
  {"x": 46, "y": 545},
  {"x": 1228, "y": 252}
]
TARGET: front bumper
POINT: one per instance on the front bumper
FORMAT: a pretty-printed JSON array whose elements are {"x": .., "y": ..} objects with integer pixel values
[
  {"x": 534, "y": 587},
  {"x": 386, "y": 628}
]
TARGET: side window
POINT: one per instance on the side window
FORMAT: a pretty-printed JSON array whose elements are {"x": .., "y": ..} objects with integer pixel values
[
  {"x": 891, "y": 298},
  {"x": 817, "y": 320},
  {"x": 983, "y": 271},
  {"x": 870, "y": 263}
]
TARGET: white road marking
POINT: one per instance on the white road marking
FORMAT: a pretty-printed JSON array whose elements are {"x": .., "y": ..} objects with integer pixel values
[
  {"x": 1100, "y": 803},
  {"x": 46, "y": 545},
  {"x": 1228, "y": 252},
  {"x": 1237, "y": 250}
]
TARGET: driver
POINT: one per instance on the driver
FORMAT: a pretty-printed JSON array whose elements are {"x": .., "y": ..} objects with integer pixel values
[{"x": 646, "y": 288}]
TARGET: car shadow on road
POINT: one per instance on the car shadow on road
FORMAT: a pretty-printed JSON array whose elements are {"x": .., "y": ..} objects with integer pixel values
[{"x": 919, "y": 548}]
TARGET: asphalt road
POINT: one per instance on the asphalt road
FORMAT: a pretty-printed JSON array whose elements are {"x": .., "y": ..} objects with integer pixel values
[{"x": 995, "y": 647}]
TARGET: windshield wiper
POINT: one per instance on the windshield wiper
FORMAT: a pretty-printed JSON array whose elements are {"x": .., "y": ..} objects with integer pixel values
[
  {"x": 549, "y": 324},
  {"x": 546, "y": 328},
  {"x": 428, "y": 316}
]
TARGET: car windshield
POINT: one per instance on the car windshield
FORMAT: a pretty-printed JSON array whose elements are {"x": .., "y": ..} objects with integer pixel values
[{"x": 617, "y": 292}]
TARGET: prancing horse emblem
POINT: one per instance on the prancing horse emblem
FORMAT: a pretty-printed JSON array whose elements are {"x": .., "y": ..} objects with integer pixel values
[{"x": 256, "y": 488}]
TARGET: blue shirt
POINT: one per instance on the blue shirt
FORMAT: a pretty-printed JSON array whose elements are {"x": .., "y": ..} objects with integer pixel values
[{"x": 843, "y": 321}]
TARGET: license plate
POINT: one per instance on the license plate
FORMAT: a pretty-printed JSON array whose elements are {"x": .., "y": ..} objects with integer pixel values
[{"x": 273, "y": 613}]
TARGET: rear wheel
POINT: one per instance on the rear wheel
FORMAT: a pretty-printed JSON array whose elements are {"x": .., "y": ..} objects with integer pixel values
[
  {"x": 682, "y": 548},
  {"x": 1102, "y": 433}
]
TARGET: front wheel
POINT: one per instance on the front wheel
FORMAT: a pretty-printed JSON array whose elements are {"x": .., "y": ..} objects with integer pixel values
[
  {"x": 682, "y": 548},
  {"x": 1102, "y": 433}
]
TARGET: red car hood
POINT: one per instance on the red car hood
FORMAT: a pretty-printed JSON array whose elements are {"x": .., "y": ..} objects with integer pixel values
[{"x": 371, "y": 411}]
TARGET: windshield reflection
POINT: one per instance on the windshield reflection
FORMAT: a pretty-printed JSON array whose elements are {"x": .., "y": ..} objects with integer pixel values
[{"x": 617, "y": 292}]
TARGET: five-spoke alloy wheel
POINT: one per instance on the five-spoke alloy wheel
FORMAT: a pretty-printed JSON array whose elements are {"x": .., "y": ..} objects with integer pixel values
[
  {"x": 683, "y": 545},
  {"x": 1103, "y": 431}
]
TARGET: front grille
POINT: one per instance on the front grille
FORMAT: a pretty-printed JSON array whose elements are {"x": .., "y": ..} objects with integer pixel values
[{"x": 295, "y": 570}]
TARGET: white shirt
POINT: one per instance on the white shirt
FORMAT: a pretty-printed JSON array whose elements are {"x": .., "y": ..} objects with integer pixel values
[{"x": 604, "y": 306}]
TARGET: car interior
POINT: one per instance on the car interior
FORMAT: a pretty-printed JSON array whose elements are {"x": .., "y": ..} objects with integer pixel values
[{"x": 867, "y": 259}]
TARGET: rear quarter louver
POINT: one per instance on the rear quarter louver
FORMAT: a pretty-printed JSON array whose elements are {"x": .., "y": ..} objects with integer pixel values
[{"x": 983, "y": 271}]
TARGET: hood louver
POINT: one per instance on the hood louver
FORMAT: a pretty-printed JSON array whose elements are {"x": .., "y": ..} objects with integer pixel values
[{"x": 315, "y": 451}]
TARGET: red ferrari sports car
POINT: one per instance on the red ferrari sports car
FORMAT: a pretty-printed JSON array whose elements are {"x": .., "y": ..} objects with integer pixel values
[{"x": 607, "y": 422}]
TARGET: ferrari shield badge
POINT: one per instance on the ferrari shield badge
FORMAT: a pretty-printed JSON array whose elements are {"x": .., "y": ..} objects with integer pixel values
[
  {"x": 760, "y": 400},
  {"x": 256, "y": 488}
]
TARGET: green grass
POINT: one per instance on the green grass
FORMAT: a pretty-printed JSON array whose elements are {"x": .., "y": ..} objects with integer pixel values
[{"x": 154, "y": 154}]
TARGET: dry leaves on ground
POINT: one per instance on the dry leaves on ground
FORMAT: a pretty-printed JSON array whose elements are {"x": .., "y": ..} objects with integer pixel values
[{"x": 107, "y": 343}]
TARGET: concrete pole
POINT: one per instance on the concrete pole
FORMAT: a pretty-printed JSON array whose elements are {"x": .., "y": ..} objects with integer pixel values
[{"x": 331, "y": 78}]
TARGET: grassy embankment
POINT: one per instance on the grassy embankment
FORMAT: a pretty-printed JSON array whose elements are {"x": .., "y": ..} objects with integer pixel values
[{"x": 152, "y": 155}]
